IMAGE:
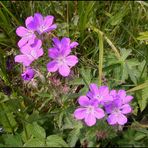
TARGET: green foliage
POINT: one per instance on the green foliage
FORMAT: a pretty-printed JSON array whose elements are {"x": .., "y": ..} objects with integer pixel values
[
  {"x": 55, "y": 141},
  {"x": 112, "y": 51},
  {"x": 12, "y": 140}
]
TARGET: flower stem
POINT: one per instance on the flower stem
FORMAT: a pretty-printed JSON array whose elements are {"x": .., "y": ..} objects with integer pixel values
[{"x": 101, "y": 50}]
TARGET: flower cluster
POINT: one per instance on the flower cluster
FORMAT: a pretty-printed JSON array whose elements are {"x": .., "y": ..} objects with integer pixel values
[
  {"x": 34, "y": 24},
  {"x": 99, "y": 101},
  {"x": 31, "y": 49}
]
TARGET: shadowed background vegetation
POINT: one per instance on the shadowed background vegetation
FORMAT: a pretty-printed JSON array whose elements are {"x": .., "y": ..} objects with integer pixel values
[{"x": 112, "y": 51}]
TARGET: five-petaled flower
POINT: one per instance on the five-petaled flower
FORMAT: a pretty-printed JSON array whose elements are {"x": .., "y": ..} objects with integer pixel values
[
  {"x": 118, "y": 108},
  {"x": 117, "y": 113},
  {"x": 88, "y": 111},
  {"x": 62, "y": 61}
]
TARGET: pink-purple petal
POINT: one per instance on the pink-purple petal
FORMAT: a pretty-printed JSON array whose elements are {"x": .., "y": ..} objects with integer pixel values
[
  {"x": 122, "y": 93},
  {"x": 90, "y": 95},
  {"x": 125, "y": 109},
  {"x": 90, "y": 119},
  {"x": 30, "y": 24},
  {"x": 99, "y": 113},
  {"x": 53, "y": 53},
  {"x": 52, "y": 66},
  {"x": 57, "y": 43},
  {"x": 52, "y": 27},
  {"x": 22, "y": 42},
  {"x": 23, "y": 59},
  {"x": 74, "y": 44},
  {"x": 109, "y": 108},
  {"x": 80, "y": 113},
  {"x": 21, "y": 31},
  {"x": 112, "y": 119},
  {"x": 38, "y": 18},
  {"x": 71, "y": 60},
  {"x": 83, "y": 101},
  {"x": 39, "y": 52},
  {"x": 122, "y": 119},
  {"x": 48, "y": 20},
  {"x": 113, "y": 93},
  {"x": 65, "y": 52},
  {"x": 37, "y": 44},
  {"x": 107, "y": 98},
  {"x": 65, "y": 41},
  {"x": 65, "y": 44},
  {"x": 64, "y": 70},
  {"x": 93, "y": 88},
  {"x": 31, "y": 40},
  {"x": 127, "y": 99},
  {"x": 28, "y": 20},
  {"x": 103, "y": 90},
  {"x": 26, "y": 49}
]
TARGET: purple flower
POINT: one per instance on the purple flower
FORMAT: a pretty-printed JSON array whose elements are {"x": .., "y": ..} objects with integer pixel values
[
  {"x": 62, "y": 61},
  {"x": 117, "y": 111},
  {"x": 100, "y": 94},
  {"x": 88, "y": 111},
  {"x": 121, "y": 94},
  {"x": 29, "y": 54},
  {"x": 28, "y": 74},
  {"x": 39, "y": 24},
  {"x": 27, "y": 33},
  {"x": 43, "y": 24}
]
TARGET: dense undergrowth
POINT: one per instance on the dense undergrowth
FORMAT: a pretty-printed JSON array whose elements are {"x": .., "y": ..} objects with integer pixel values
[{"x": 112, "y": 51}]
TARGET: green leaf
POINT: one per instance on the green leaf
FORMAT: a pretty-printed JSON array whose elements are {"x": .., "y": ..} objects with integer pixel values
[
  {"x": 73, "y": 137},
  {"x": 55, "y": 141},
  {"x": 38, "y": 131},
  {"x": 125, "y": 53},
  {"x": 12, "y": 140},
  {"x": 131, "y": 74},
  {"x": 7, "y": 119},
  {"x": 26, "y": 134},
  {"x": 35, "y": 142},
  {"x": 143, "y": 101},
  {"x": 33, "y": 130},
  {"x": 124, "y": 72},
  {"x": 86, "y": 76},
  {"x": 139, "y": 136}
]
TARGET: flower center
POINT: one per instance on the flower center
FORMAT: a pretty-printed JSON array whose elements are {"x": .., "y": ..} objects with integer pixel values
[
  {"x": 61, "y": 60},
  {"x": 90, "y": 109},
  {"x": 42, "y": 28},
  {"x": 98, "y": 97},
  {"x": 29, "y": 34},
  {"x": 116, "y": 111}
]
